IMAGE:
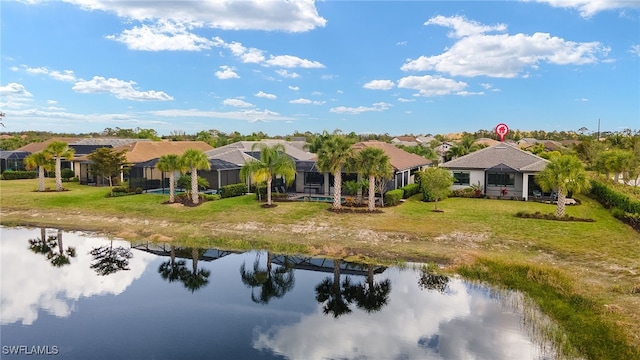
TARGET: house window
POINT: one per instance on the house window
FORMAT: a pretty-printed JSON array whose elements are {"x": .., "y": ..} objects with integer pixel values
[
  {"x": 501, "y": 179},
  {"x": 461, "y": 178}
]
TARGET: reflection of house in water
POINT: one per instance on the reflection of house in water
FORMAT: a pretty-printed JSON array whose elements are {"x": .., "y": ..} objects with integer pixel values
[
  {"x": 324, "y": 265},
  {"x": 164, "y": 249}
]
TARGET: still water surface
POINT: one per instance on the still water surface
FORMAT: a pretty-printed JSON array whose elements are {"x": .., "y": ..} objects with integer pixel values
[{"x": 83, "y": 296}]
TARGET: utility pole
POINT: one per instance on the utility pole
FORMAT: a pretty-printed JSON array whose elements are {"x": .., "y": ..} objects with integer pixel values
[{"x": 598, "y": 129}]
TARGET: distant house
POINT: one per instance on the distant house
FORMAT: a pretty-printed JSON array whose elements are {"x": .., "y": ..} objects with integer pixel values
[
  {"x": 404, "y": 164},
  {"x": 503, "y": 170},
  {"x": 405, "y": 141},
  {"x": 12, "y": 160},
  {"x": 442, "y": 149}
]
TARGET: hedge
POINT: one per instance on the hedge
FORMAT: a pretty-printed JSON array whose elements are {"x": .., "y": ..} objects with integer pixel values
[
  {"x": 233, "y": 190},
  {"x": 393, "y": 197},
  {"x": 410, "y": 190},
  {"x": 610, "y": 198},
  {"x": 17, "y": 175}
]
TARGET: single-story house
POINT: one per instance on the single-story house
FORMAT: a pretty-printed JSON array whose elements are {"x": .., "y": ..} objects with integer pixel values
[
  {"x": 12, "y": 160},
  {"x": 404, "y": 164},
  {"x": 502, "y": 170}
]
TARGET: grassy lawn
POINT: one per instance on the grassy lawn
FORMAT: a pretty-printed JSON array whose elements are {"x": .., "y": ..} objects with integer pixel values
[{"x": 585, "y": 275}]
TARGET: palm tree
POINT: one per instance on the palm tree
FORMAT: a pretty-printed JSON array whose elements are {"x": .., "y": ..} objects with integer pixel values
[
  {"x": 332, "y": 156},
  {"x": 374, "y": 164},
  {"x": 272, "y": 283},
  {"x": 173, "y": 270},
  {"x": 372, "y": 296},
  {"x": 273, "y": 162},
  {"x": 196, "y": 278},
  {"x": 45, "y": 246},
  {"x": 42, "y": 161},
  {"x": 563, "y": 174},
  {"x": 195, "y": 160},
  {"x": 59, "y": 150},
  {"x": 170, "y": 163},
  {"x": 336, "y": 296}
]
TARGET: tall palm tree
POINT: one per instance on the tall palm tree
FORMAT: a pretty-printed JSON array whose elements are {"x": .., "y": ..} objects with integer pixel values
[
  {"x": 42, "y": 161},
  {"x": 332, "y": 156},
  {"x": 59, "y": 150},
  {"x": 374, "y": 164},
  {"x": 372, "y": 296},
  {"x": 195, "y": 160},
  {"x": 173, "y": 270},
  {"x": 563, "y": 174},
  {"x": 273, "y": 162},
  {"x": 196, "y": 278},
  {"x": 273, "y": 283},
  {"x": 170, "y": 163},
  {"x": 335, "y": 296}
]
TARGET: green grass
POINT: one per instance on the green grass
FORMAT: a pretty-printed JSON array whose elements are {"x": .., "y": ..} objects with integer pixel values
[{"x": 580, "y": 268}]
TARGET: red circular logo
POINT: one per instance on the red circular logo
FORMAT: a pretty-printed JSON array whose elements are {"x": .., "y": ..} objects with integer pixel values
[{"x": 502, "y": 130}]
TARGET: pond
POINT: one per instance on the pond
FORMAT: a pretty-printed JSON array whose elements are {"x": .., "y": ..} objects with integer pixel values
[{"x": 73, "y": 295}]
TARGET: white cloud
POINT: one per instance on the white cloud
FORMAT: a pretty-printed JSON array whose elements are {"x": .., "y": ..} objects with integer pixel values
[
  {"x": 119, "y": 88},
  {"x": 502, "y": 55},
  {"x": 406, "y": 100},
  {"x": 291, "y": 16},
  {"x": 290, "y": 61},
  {"x": 379, "y": 85},
  {"x": 428, "y": 85},
  {"x": 286, "y": 74},
  {"x": 51, "y": 102},
  {"x": 163, "y": 35},
  {"x": 226, "y": 73},
  {"x": 294, "y": 88},
  {"x": 588, "y": 8},
  {"x": 306, "y": 101},
  {"x": 246, "y": 115},
  {"x": 635, "y": 49},
  {"x": 381, "y": 106},
  {"x": 64, "y": 75},
  {"x": 237, "y": 103},
  {"x": 265, "y": 95},
  {"x": 328, "y": 77},
  {"x": 401, "y": 43},
  {"x": 463, "y": 27},
  {"x": 14, "y": 95},
  {"x": 246, "y": 55}
]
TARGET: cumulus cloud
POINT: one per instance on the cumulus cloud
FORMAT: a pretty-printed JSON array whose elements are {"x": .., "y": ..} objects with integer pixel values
[
  {"x": 290, "y": 61},
  {"x": 119, "y": 88},
  {"x": 290, "y": 16},
  {"x": 64, "y": 75},
  {"x": 14, "y": 95},
  {"x": 226, "y": 73},
  {"x": 380, "y": 106},
  {"x": 501, "y": 55},
  {"x": 257, "y": 56},
  {"x": 237, "y": 103},
  {"x": 250, "y": 115},
  {"x": 428, "y": 85},
  {"x": 262, "y": 94},
  {"x": 294, "y": 88},
  {"x": 635, "y": 49},
  {"x": 406, "y": 100},
  {"x": 588, "y": 8},
  {"x": 379, "y": 85},
  {"x": 306, "y": 102},
  {"x": 286, "y": 74},
  {"x": 163, "y": 35}
]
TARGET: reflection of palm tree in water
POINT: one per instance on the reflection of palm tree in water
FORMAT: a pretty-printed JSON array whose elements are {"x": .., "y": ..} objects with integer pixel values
[
  {"x": 195, "y": 279},
  {"x": 108, "y": 260},
  {"x": 430, "y": 280},
  {"x": 173, "y": 270},
  {"x": 335, "y": 296},
  {"x": 372, "y": 296},
  {"x": 272, "y": 283},
  {"x": 46, "y": 245}
]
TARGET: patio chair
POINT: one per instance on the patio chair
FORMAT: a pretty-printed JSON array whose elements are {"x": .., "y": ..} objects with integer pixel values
[{"x": 537, "y": 194}]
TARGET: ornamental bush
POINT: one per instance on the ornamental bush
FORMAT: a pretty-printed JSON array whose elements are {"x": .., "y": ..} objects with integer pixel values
[
  {"x": 393, "y": 197},
  {"x": 610, "y": 198},
  {"x": 410, "y": 190},
  {"x": 233, "y": 190},
  {"x": 17, "y": 175}
]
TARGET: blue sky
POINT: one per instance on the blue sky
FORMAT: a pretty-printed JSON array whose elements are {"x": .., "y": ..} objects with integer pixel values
[{"x": 391, "y": 67}]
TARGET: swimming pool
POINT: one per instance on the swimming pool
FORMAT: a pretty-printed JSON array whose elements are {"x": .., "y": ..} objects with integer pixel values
[
  {"x": 318, "y": 198},
  {"x": 178, "y": 190}
]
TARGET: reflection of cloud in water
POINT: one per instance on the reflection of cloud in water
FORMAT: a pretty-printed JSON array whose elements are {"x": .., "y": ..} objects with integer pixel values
[
  {"x": 30, "y": 283},
  {"x": 415, "y": 324}
]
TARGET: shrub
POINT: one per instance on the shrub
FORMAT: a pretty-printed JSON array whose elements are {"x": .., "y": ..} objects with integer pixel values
[
  {"x": 610, "y": 198},
  {"x": 120, "y": 190},
  {"x": 261, "y": 192},
  {"x": 211, "y": 197},
  {"x": 410, "y": 190},
  {"x": 138, "y": 190},
  {"x": 17, "y": 175},
  {"x": 233, "y": 190},
  {"x": 393, "y": 197},
  {"x": 66, "y": 174}
]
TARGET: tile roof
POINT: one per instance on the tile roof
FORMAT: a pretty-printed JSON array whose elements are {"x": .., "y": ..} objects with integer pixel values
[
  {"x": 141, "y": 151},
  {"x": 234, "y": 152},
  {"x": 505, "y": 154},
  {"x": 39, "y": 146},
  {"x": 400, "y": 159}
]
